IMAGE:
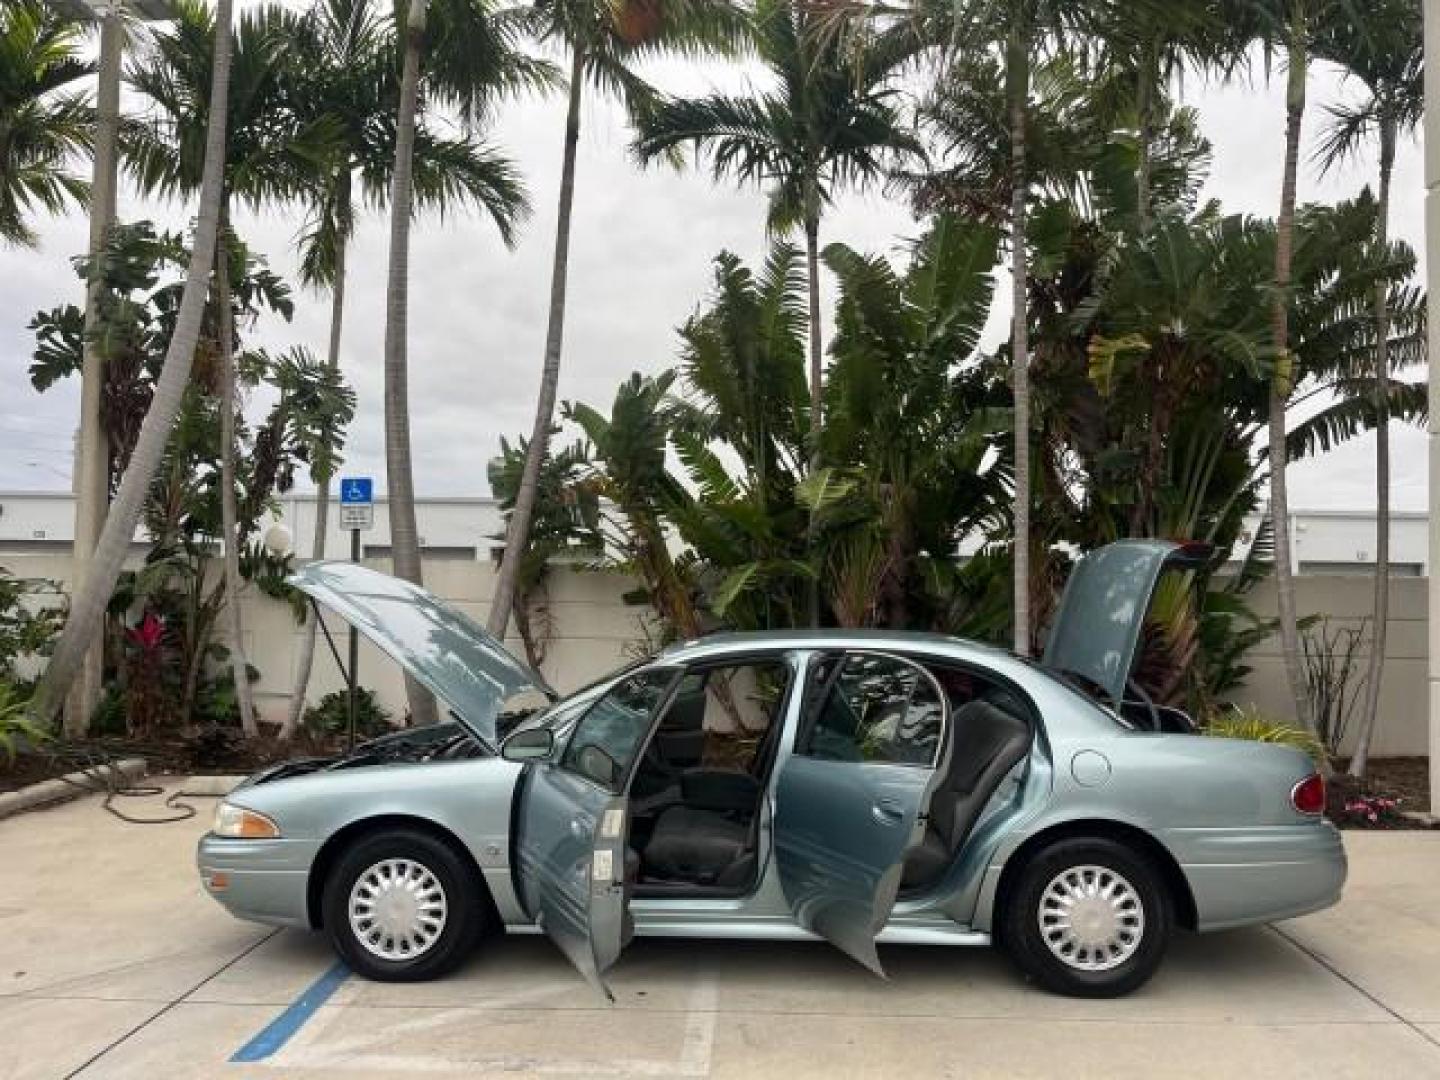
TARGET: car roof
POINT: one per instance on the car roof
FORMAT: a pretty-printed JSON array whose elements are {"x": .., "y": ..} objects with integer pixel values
[{"x": 730, "y": 643}]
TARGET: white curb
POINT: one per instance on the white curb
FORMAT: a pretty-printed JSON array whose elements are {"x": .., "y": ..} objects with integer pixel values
[{"x": 71, "y": 786}]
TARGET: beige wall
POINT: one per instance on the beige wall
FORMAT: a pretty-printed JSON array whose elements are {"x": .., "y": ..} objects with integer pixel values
[
  {"x": 1348, "y": 601},
  {"x": 594, "y": 628}
]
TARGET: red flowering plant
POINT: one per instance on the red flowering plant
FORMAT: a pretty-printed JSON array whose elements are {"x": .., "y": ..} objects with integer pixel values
[
  {"x": 148, "y": 649},
  {"x": 1369, "y": 811}
]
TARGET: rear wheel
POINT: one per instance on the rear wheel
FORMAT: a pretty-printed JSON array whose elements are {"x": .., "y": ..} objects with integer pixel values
[
  {"x": 1088, "y": 918},
  {"x": 401, "y": 906}
]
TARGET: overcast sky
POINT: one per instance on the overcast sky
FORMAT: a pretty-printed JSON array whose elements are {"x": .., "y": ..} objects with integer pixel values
[{"x": 640, "y": 263}]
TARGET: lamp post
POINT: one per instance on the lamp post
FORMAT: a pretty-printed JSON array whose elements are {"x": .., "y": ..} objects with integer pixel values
[{"x": 92, "y": 459}]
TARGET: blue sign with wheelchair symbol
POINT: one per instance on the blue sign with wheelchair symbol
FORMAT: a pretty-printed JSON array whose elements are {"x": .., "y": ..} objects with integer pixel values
[{"x": 357, "y": 491}]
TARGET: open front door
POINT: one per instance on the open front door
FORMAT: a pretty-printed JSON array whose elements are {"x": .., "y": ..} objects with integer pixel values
[
  {"x": 571, "y": 847},
  {"x": 853, "y": 797},
  {"x": 571, "y": 825}
]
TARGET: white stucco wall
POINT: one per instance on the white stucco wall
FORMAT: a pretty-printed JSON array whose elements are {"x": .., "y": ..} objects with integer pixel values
[{"x": 595, "y": 631}]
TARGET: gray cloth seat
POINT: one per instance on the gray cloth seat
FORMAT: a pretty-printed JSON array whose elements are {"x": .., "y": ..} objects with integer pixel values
[
  {"x": 692, "y": 844},
  {"x": 989, "y": 742}
]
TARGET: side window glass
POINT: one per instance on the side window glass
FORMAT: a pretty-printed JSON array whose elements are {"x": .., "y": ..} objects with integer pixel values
[
  {"x": 877, "y": 709},
  {"x": 608, "y": 737}
]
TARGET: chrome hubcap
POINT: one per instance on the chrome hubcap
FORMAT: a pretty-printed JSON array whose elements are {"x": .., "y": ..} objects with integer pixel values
[
  {"x": 1091, "y": 918},
  {"x": 397, "y": 909}
]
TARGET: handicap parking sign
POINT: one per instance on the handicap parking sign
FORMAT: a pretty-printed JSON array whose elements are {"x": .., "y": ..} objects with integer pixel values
[{"x": 357, "y": 491}]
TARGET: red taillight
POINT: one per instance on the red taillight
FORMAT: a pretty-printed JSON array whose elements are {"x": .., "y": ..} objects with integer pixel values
[{"x": 1308, "y": 796}]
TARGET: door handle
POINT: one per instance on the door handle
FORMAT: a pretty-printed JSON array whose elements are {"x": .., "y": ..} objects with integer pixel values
[{"x": 887, "y": 811}]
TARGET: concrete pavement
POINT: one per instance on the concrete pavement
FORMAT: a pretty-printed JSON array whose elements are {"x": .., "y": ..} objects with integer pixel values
[{"x": 113, "y": 963}]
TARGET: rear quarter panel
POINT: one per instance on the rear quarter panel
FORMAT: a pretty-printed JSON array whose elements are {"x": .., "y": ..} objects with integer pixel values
[{"x": 1220, "y": 808}]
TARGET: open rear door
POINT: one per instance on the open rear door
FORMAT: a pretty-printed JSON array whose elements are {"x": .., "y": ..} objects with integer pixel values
[
  {"x": 571, "y": 826},
  {"x": 853, "y": 797}
]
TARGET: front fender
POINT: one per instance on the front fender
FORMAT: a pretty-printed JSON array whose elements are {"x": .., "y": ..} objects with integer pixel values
[{"x": 470, "y": 799}]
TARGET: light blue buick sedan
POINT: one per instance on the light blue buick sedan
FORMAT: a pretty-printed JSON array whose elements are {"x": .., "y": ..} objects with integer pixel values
[{"x": 860, "y": 788}]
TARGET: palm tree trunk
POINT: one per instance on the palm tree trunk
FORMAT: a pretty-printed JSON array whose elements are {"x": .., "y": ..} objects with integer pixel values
[
  {"x": 229, "y": 518},
  {"x": 1144, "y": 96},
  {"x": 92, "y": 479},
  {"x": 517, "y": 536},
  {"x": 1282, "y": 382},
  {"x": 816, "y": 346},
  {"x": 306, "y": 660},
  {"x": 1017, "y": 75},
  {"x": 87, "y": 605},
  {"x": 1370, "y": 717},
  {"x": 404, "y": 536}
]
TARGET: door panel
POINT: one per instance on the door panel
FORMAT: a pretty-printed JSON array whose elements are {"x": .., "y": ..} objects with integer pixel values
[
  {"x": 570, "y": 842},
  {"x": 852, "y": 799},
  {"x": 571, "y": 825}
]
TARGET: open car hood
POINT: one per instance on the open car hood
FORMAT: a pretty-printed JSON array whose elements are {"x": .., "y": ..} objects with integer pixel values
[
  {"x": 1097, "y": 629},
  {"x": 444, "y": 649}
]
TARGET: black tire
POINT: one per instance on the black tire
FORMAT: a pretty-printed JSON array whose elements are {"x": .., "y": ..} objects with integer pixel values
[
  {"x": 465, "y": 913},
  {"x": 1089, "y": 859}
]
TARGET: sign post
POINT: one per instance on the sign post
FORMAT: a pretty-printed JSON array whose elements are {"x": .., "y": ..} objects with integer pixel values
[{"x": 357, "y": 512}]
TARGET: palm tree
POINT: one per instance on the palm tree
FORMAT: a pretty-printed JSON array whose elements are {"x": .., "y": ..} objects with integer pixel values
[
  {"x": 87, "y": 605},
  {"x": 42, "y": 124},
  {"x": 1143, "y": 49},
  {"x": 1288, "y": 27},
  {"x": 603, "y": 38},
  {"x": 350, "y": 85},
  {"x": 1020, "y": 33},
  {"x": 1387, "y": 55},
  {"x": 271, "y": 156},
  {"x": 829, "y": 121},
  {"x": 469, "y": 53}
]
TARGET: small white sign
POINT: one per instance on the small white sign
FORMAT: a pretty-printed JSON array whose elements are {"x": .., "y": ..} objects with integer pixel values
[
  {"x": 604, "y": 868},
  {"x": 357, "y": 517}
]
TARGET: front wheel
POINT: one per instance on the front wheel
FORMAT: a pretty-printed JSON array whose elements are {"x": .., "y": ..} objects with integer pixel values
[
  {"x": 400, "y": 906},
  {"x": 1088, "y": 918}
]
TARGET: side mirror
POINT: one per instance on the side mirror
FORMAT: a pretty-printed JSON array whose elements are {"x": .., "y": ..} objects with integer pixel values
[{"x": 530, "y": 744}]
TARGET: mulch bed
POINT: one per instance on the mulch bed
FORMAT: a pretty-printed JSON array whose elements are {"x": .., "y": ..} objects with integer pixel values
[
  {"x": 1406, "y": 778},
  {"x": 1392, "y": 788},
  {"x": 216, "y": 751}
]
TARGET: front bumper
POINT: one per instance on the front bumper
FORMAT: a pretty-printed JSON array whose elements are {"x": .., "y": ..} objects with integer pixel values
[
  {"x": 258, "y": 880},
  {"x": 1261, "y": 874}
]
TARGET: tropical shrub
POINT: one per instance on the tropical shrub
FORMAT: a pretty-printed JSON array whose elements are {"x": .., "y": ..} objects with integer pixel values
[
  {"x": 1364, "y": 810},
  {"x": 331, "y": 715},
  {"x": 1332, "y": 655},
  {"x": 162, "y": 616},
  {"x": 1237, "y": 723},
  {"x": 13, "y": 725},
  {"x": 565, "y": 522},
  {"x": 27, "y": 631}
]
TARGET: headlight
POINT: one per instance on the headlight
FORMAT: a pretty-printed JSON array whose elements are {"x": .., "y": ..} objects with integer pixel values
[{"x": 236, "y": 821}]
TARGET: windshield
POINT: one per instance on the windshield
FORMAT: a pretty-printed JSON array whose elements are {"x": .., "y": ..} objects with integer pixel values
[{"x": 561, "y": 714}]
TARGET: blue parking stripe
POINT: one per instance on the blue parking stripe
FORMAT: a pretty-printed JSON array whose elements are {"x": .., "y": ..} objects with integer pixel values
[{"x": 278, "y": 1032}]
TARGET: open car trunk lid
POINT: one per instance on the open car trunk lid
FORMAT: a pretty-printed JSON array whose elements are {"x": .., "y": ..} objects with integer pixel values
[
  {"x": 1097, "y": 630},
  {"x": 444, "y": 649}
]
